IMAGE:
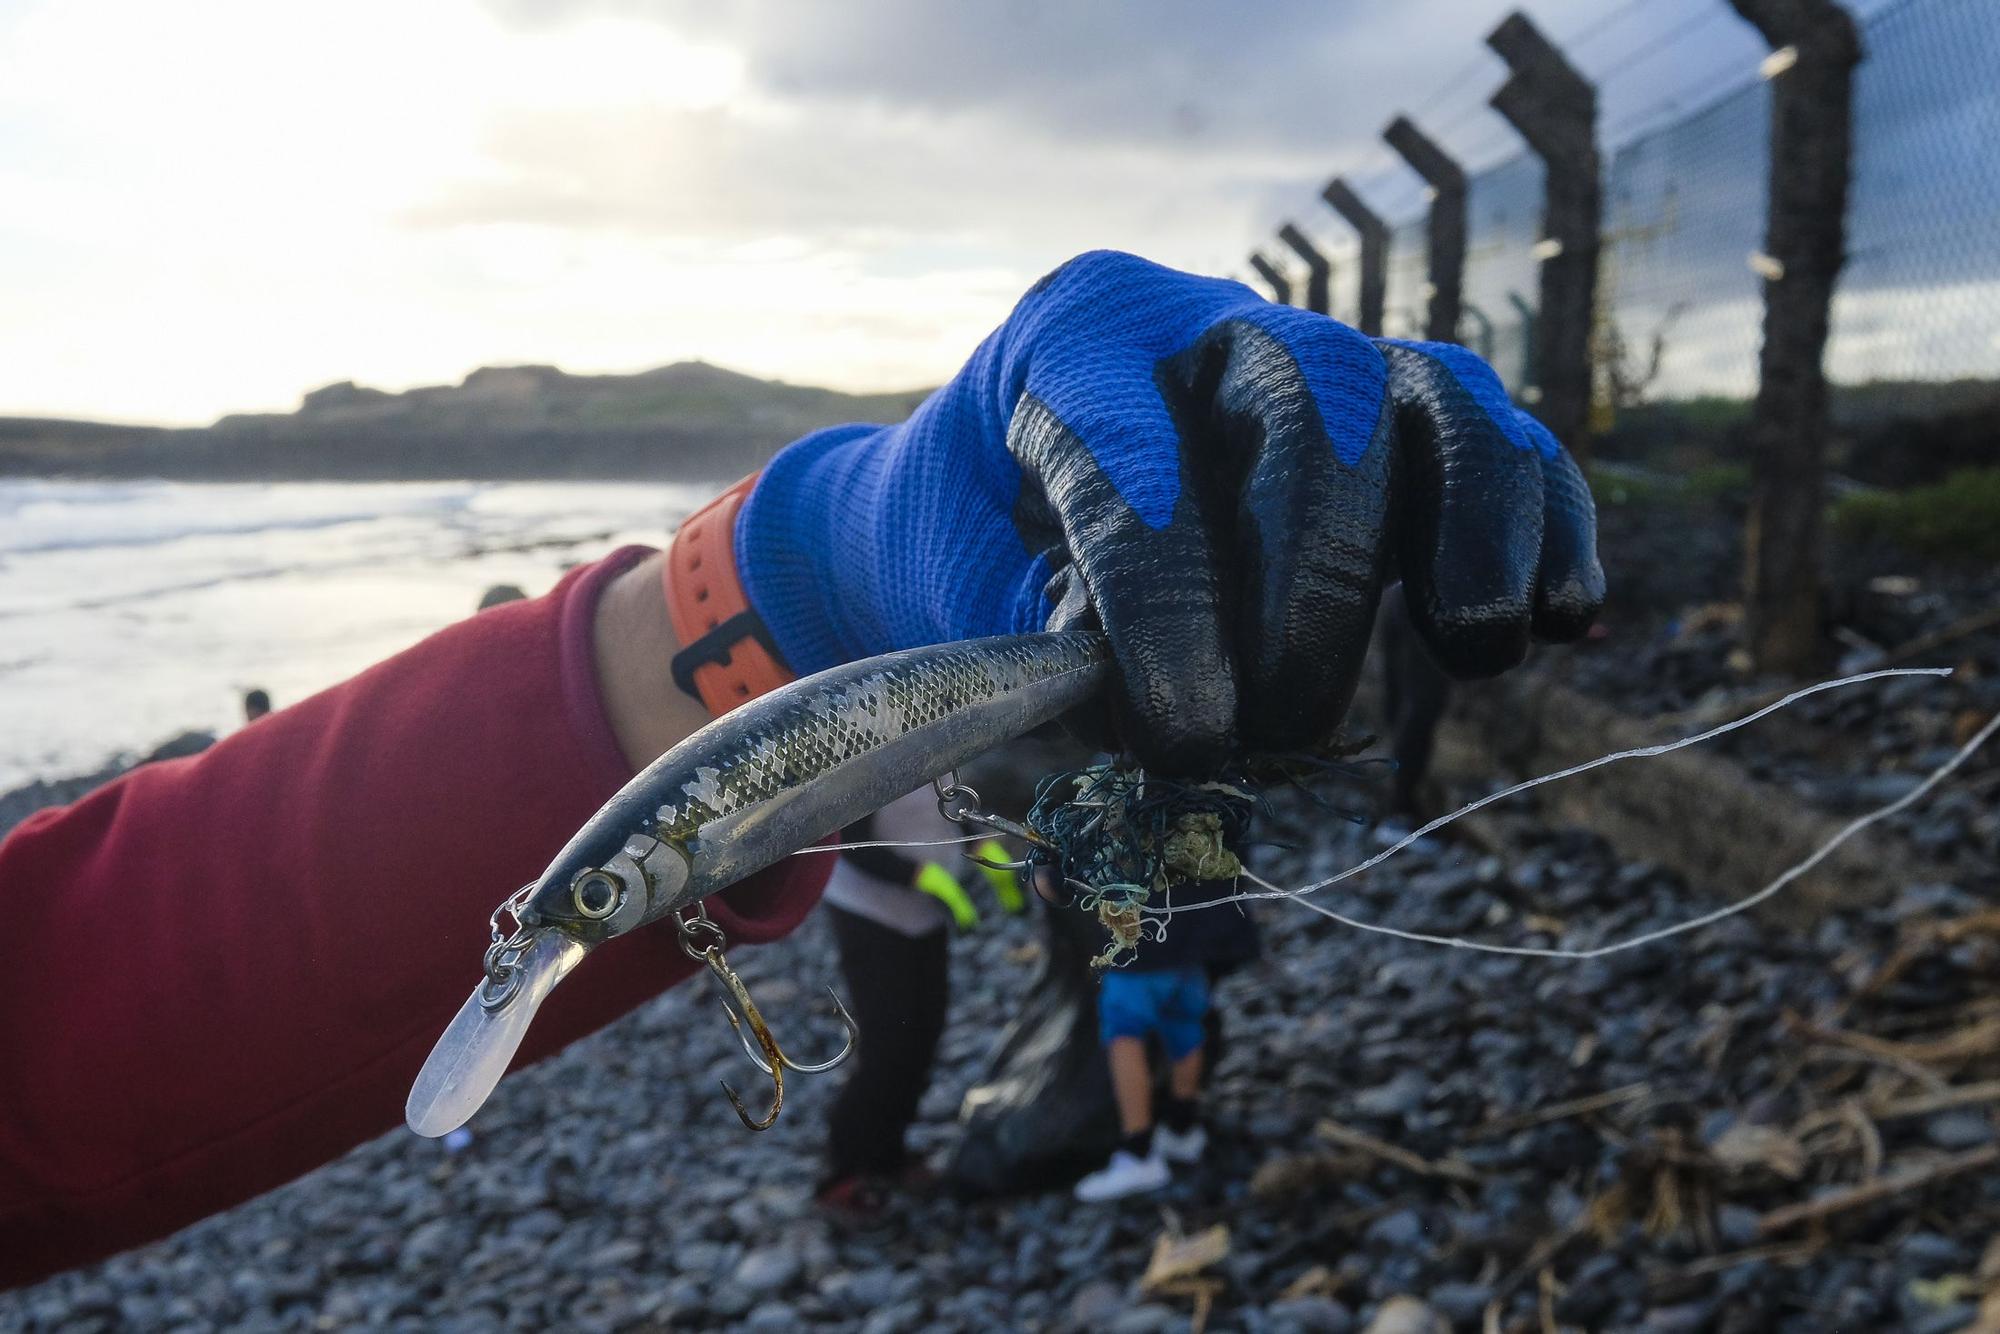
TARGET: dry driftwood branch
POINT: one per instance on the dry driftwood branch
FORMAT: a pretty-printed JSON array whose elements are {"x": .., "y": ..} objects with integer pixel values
[
  {"x": 1937, "y": 639},
  {"x": 1923, "y": 1075},
  {"x": 1882, "y": 1188},
  {"x": 1979, "y": 1038},
  {"x": 1180, "y": 1258},
  {"x": 1896, "y": 1109},
  {"x": 1595, "y": 1102},
  {"x": 1870, "y": 1138},
  {"x": 1781, "y": 1252},
  {"x": 1916, "y": 1021},
  {"x": 1545, "y": 1305},
  {"x": 1347, "y": 1137},
  {"x": 1921, "y": 943},
  {"x": 1546, "y": 1252},
  {"x": 1914, "y": 1059}
]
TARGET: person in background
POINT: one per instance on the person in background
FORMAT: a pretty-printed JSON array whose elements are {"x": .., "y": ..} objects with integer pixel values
[
  {"x": 1164, "y": 992},
  {"x": 891, "y": 915},
  {"x": 256, "y": 703},
  {"x": 1415, "y": 694}
]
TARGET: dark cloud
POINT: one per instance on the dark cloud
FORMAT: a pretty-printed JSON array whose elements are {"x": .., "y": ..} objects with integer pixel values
[
  {"x": 1289, "y": 74},
  {"x": 1175, "y": 127},
  {"x": 867, "y": 176}
]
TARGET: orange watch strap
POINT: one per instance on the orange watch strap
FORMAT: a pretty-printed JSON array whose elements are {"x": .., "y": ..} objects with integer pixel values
[{"x": 727, "y": 656}]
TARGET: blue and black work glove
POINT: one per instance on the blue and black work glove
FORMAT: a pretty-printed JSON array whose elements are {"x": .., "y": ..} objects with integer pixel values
[{"x": 1223, "y": 485}]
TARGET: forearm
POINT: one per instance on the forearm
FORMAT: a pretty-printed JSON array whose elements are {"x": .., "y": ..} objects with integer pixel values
[
  {"x": 225, "y": 970},
  {"x": 634, "y": 642}
]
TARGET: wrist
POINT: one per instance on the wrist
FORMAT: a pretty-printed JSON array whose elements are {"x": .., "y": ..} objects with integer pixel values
[{"x": 634, "y": 640}]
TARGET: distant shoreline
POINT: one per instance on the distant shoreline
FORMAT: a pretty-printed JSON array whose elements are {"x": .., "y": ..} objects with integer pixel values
[
  {"x": 687, "y": 422},
  {"x": 650, "y": 455}
]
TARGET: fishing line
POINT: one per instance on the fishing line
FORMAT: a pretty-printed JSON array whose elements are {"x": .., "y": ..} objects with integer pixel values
[
  {"x": 1639, "y": 752},
  {"x": 1825, "y": 850},
  {"x": 891, "y": 843}
]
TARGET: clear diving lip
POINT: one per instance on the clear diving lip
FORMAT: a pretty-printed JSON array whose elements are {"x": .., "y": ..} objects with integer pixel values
[{"x": 479, "y": 1043}]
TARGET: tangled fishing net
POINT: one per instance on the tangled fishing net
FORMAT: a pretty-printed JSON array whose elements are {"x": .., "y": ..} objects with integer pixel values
[{"x": 1118, "y": 836}]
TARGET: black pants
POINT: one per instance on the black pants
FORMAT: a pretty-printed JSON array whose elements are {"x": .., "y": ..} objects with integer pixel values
[
  {"x": 1415, "y": 694},
  {"x": 898, "y": 988}
]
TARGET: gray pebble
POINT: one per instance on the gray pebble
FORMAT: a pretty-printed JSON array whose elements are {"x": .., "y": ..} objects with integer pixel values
[
  {"x": 895, "y": 1319},
  {"x": 1461, "y": 1303},
  {"x": 1096, "y": 1303},
  {"x": 1399, "y": 1096},
  {"x": 768, "y": 1269},
  {"x": 1945, "y": 1320},
  {"x": 1148, "y": 1319},
  {"x": 1687, "y": 1318},
  {"x": 731, "y": 1300},
  {"x": 1737, "y": 1225},
  {"x": 1930, "y": 1254},
  {"x": 1959, "y": 1129},
  {"x": 1402, "y": 1229},
  {"x": 1309, "y": 1315},
  {"x": 871, "y": 1288},
  {"x": 772, "y": 1316}
]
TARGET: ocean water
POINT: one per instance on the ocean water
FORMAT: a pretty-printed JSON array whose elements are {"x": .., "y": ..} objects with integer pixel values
[{"x": 130, "y": 611}]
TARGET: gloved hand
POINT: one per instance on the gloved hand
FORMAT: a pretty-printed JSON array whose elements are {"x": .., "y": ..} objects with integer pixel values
[{"x": 1222, "y": 484}]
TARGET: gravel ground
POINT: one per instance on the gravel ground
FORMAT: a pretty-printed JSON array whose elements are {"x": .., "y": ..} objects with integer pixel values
[{"x": 610, "y": 1188}]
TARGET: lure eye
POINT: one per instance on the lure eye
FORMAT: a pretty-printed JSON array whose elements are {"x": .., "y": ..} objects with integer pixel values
[{"x": 595, "y": 895}]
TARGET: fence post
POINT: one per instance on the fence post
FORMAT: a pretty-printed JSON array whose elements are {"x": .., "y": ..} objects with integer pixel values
[
  {"x": 1281, "y": 287},
  {"x": 1374, "y": 251},
  {"x": 1555, "y": 109},
  {"x": 1814, "y": 50},
  {"x": 1319, "y": 269},
  {"x": 1446, "y": 228},
  {"x": 1482, "y": 335},
  {"x": 1530, "y": 363}
]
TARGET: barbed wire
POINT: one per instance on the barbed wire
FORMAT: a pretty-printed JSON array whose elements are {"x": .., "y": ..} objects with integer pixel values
[
  {"x": 1655, "y": 45},
  {"x": 1684, "y": 186}
]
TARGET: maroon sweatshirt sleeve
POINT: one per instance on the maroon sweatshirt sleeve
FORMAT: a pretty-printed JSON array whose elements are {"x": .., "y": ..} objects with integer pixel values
[{"x": 220, "y": 972}]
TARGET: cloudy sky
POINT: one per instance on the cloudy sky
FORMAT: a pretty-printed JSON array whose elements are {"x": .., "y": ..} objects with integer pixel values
[{"x": 216, "y": 205}]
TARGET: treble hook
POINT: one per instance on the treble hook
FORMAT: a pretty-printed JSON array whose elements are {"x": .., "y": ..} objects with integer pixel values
[
  {"x": 785, "y": 1062},
  {"x": 960, "y": 805},
  {"x": 773, "y": 1062}
]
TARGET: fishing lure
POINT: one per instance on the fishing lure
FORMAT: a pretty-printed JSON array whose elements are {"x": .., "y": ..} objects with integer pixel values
[{"x": 757, "y": 784}]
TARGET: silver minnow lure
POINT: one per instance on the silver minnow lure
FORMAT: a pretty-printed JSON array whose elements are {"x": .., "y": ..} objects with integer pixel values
[{"x": 757, "y": 784}]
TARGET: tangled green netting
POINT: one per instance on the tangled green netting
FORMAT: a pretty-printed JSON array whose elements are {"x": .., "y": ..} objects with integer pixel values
[{"x": 1118, "y": 836}]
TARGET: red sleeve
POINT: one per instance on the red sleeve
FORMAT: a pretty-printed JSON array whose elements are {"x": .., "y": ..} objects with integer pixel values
[{"x": 220, "y": 972}]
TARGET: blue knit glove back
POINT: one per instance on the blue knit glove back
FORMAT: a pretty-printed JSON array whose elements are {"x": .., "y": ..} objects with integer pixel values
[{"x": 1223, "y": 485}]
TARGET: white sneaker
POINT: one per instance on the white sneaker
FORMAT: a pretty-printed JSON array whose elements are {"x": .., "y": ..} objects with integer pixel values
[
  {"x": 1126, "y": 1174},
  {"x": 1180, "y": 1146}
]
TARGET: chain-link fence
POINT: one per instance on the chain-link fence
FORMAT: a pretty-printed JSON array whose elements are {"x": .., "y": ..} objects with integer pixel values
[
  {"x": 1918, "y": 307},
  {"x": 1916, "y": 323}
]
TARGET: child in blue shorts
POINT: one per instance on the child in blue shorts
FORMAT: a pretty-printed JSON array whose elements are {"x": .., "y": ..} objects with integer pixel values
[{"x": 1164, "y": 992}]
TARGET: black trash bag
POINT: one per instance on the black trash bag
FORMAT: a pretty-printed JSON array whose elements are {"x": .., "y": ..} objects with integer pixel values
[{"x": 1042, "y": 1113}]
